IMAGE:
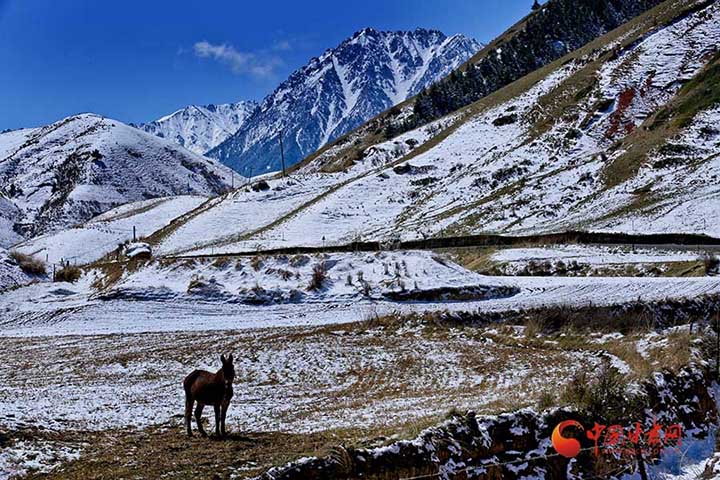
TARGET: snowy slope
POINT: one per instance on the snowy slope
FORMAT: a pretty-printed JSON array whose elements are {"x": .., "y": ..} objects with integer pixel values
[
  {"x": 201, "y": 128},
  {"x": 40, "y": 310},
  {"x": 11, "y": 275},
  {"x": 68, "y": 172},
  {"x": 102, "y": 234},
  {"x": 340, "y": 90},
  {"x": 9, "y": 215},
  {"x": 560, "y": 149}
]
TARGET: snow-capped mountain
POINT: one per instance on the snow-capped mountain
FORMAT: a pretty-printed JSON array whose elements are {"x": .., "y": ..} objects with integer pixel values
[
  {"x": 338, "y": 91},
  {"x": 620, "y": 135},
  {"x": 65, "y": 173},
  {"x": 201, "y": 128}
]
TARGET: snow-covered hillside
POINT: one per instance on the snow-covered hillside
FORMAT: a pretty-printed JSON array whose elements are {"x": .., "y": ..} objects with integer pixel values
[
  {"x": 102, "y": 235},
  {"x": 201, "y": 128},
  {"x": 63, "y": 174},
  {"x": 11, "y": 275},
  {"x": 334, "y": 93},
  {"x": 620, "y": 135}
]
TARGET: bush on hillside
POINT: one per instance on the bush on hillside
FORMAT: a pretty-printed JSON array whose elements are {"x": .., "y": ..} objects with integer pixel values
[
  {"x": 28, "y": 263},
  {"x": 318, "y": 277},
  {"x": 602, "y": 396},
  {"x": 68, "y": 273}
]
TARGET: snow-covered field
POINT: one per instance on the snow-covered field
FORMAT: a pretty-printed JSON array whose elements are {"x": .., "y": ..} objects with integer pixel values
[
  {"x": 244, "y": 211},
  {"x": 97, "y": 356},
  {"x": 596, "y": 255},
  {"x": 294, "y": 279},
  {"x": 195, "y": 295},
  {"x": 599, "y": 260},
  {"x": 290, "y": 378}
]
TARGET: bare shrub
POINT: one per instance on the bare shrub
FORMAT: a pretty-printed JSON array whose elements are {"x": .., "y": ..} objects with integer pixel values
[
  {"x": 561, "y": 268},
  {"x": 221, "y": 262},
  {"x": 68, "y": 273},
  {"x": 285, "y": 274},
  {"x": 28, "y": 263},
  {"x": 538, "y": 269},
  {"x": 454, "y": 412},
  {"x": 534, "y": 326},
  {"x": 318, "y": 277},
  {"x": 299, "y": 260},
  {"x": 197, "y": 281},
  {"x": 256, "y": 263}
]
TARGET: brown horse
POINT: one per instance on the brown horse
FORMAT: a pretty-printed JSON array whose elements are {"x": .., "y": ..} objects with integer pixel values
[{"x": 207, "y": 388}]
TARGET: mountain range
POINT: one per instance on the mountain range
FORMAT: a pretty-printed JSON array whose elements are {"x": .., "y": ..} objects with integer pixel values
[
  {"x": 57, "y": 176},
  {"x": 201, "y": 128},
  {"x": 617, "y": 135},
  {"x": 334, "y": 93}
]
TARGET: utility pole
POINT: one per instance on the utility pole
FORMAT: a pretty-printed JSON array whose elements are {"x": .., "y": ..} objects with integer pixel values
[
  {"x": 282, "y": 154},
  {"x": 134, "y": 236}
]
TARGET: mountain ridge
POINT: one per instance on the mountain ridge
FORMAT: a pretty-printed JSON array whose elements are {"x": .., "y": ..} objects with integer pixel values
[
  {"x": 56, "y": 176},
  {"x": 199, "y": 128},
  {"x": 346, "y": 85},
  {"x": 542, "y": 154}
]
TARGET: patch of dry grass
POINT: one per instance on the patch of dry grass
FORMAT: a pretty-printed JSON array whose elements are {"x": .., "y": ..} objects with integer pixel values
[
  {"x": 28, "y": 263},
  {"x": 68, "y": 273}
]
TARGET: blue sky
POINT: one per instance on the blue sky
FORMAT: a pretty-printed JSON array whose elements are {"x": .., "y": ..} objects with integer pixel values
[{"x": 136, "y": 60}]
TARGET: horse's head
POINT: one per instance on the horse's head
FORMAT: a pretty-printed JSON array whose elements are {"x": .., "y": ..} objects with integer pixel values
[{"x": 228, "y": 369}]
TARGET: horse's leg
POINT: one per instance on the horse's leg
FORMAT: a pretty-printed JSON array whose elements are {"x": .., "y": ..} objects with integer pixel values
[
  {"x": 188, "y": 414},
  {"x": 217, "y": 420},
  {"x": 198, "y": 419},
  {"x": 223, "y": 414}
]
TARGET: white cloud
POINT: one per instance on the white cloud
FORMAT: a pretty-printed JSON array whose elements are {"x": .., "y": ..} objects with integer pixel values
[
  {"x": 282, "y": 46},
  {"x": 239, "y": 62}
]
